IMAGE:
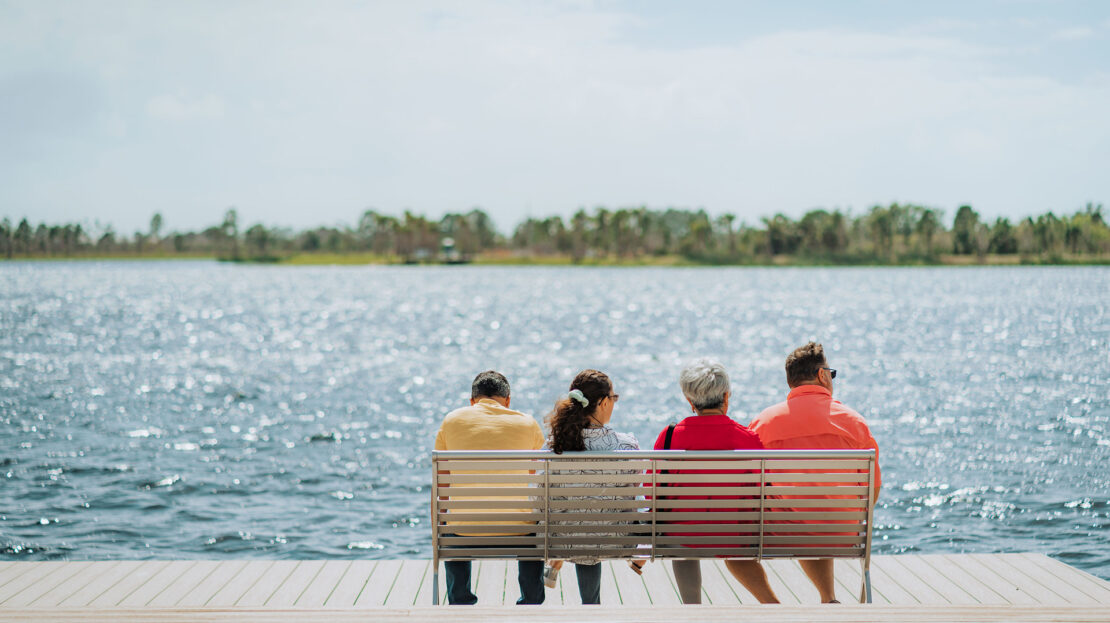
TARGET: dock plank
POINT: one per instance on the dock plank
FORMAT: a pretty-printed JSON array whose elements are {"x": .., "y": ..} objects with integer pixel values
[
  {"x": 295, "y": 584},
  {"x": 980, "y": 592},
  {"x": 318, "y": 591},
  {"x": 1037, "y": 591},
  {"x": 13, "y": 571},
  {"x": 898, "y": 575},
  {"x": 661, "y": 586},
  {"x": 946, "y": 588},
  {"x": 1066, "y": 592},
  {"x": 632, "y": 589},
  {"x": 566, "y": 589},
  {"x": 31, "y": 593},
  {"x": 129, "y": 584},
  {"x": 21, "y": 581},
  {"x": 236, "y": 587},
  {"x": 86, "y": 576},
  {"x": 407, "y": 585},
  {"x": 802, "y": 591},
  {"x": 849, "y": 583},
  {"x": 488, "y": 580},
  {"x": 424, "y": 596},
  {"x": 165, "y": 577},
  {"x": 379, "y": 584},
  {"x": 1097, "y": 588},
  {"x": 716, "y": 585},
  {"x": 173, "y": 593},
  {"x": 85, "y": 594},
  {"x": 609, "y": 592},
  {"x": 268, "y": 583},
  {"x": 787, "y": 588},
  {"x": 1010, "y": 592},
  {"x": 200, "y": 594},
  {"x": 357, "y": 579}
]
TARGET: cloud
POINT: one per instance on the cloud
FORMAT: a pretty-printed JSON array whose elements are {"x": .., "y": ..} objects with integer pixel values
[
  {"x": 1077, "y": 33},
  {"x": 181, "y": 108},
  {"x": 540, "y": 108}
]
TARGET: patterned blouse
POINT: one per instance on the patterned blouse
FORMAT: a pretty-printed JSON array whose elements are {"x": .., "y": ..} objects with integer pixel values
[{"x": 603, "y": 439}]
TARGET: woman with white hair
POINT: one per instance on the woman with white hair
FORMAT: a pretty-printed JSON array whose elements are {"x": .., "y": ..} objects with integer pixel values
[{"x": 706, "y": 386}]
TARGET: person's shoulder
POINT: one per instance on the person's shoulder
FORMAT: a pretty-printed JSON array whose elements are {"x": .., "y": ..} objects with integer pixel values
[
  {"x": 745, "y": 437},
  {"x": 461, "y": 412},
  {"x": 627, "y": 441},
  {"x": 766, "y": 414},
  {"x": 848, "y": 415}
]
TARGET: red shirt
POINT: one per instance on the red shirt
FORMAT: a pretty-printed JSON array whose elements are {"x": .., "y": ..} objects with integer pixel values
[{"x": 710, "y": 432}]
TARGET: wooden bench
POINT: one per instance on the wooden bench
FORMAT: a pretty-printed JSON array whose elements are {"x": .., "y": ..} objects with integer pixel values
[{"x": 752, "y": 504}]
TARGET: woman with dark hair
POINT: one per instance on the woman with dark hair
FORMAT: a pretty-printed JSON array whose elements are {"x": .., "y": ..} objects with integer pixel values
[{"x": 580, "y": 421}]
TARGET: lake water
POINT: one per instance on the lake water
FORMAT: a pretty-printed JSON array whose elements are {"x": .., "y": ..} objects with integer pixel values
[{"x": 203, "y": 410}]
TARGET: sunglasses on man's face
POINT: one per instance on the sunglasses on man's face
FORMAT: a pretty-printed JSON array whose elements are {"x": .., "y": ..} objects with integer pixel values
[{"x": 832, "y": 373}]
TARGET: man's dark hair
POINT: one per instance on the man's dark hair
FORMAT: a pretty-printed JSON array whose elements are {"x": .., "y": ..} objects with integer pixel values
[
  {"x": 489, "y": 384},
  {"x": 802, "y": 364}
]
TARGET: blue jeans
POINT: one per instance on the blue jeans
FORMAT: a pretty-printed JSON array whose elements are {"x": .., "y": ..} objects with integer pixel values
[
  {"x": 529, "y": 576},
  {"x": 589, "y": 582}
]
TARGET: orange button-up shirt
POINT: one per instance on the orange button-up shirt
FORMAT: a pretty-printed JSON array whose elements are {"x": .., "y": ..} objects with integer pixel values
[{"x": 811, "y": 420}]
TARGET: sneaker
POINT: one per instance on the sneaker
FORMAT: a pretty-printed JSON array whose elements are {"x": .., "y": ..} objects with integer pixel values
[{"x": 550, "y": 576}]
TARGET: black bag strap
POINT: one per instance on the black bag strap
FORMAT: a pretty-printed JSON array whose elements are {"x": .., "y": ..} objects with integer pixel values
[{"x": 670, "y": 432}]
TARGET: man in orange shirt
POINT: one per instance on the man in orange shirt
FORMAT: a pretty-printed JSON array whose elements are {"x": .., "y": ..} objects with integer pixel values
[{"x": 811, "y": 420}]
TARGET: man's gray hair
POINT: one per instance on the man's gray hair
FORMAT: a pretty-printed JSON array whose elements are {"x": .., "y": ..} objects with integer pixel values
[{"x": 705, "y": 383}]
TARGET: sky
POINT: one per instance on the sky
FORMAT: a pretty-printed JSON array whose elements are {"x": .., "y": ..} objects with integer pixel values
[{"x": 301, "y": 114}]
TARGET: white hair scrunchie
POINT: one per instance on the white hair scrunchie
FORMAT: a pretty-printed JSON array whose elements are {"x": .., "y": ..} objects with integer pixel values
[{"x": 579, "y": 397}]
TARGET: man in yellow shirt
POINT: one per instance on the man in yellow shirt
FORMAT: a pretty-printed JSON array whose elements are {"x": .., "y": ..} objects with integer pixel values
[{"x": 489, "y": 424}]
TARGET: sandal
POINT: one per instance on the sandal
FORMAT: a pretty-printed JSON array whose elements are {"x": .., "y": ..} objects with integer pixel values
[{"x": 637, "y": 566}]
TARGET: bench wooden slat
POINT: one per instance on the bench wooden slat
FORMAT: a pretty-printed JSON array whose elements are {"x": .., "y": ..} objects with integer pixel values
[
  {"x": 465, "y": 553},
  {"x": 488, "y": 478},
  {"x": 645, "y": 529},
  {"x": 484, "y": 465},
  {"x": 495, "y": 492}
]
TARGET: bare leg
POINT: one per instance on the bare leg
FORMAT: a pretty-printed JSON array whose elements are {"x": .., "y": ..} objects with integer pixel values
[
  {"x": 751, "y": 574},
  {"x": 687, "y": 575},
  {"x": 820, "y": 572}
]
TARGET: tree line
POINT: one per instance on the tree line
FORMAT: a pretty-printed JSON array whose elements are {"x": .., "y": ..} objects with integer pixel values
[{"x": 892, "y": 234}]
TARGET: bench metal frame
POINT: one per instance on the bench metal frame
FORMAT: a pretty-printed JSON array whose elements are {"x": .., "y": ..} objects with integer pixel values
[{"x": 747, "y": 504}]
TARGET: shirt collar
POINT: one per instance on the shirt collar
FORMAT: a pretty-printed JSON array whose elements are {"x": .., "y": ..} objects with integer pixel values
[
  {"x": 488, "y": 402},
  {"x": 808, "y": 390},
  {"x": 705, "y": 419}
]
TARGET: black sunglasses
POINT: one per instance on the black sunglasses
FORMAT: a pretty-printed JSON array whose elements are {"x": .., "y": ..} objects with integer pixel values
[{"x": 832, "y": 373}]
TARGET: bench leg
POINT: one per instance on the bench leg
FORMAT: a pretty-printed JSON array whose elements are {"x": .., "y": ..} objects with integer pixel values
[
  {"x": 435, "y": 583},
  {"x": 865, "y": 589}
]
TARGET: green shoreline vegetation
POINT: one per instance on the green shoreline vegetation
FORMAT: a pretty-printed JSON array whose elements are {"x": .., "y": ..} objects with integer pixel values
[{"x": 894, "y": 235}]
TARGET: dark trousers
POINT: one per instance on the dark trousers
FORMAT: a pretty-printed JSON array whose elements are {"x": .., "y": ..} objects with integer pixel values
[
  {"x": 529, "y": 575},
  {"x": 589, "y": 582}
]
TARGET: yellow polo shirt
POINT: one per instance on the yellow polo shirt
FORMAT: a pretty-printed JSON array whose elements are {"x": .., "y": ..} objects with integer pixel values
[{"x": 486, "y": 425}]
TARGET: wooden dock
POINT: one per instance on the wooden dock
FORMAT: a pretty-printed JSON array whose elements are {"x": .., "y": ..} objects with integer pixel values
[{"x": 971, "y": 587}]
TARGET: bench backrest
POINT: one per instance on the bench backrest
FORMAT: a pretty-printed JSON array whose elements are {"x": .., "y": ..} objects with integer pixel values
[{"x": 659, "y": 504}]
